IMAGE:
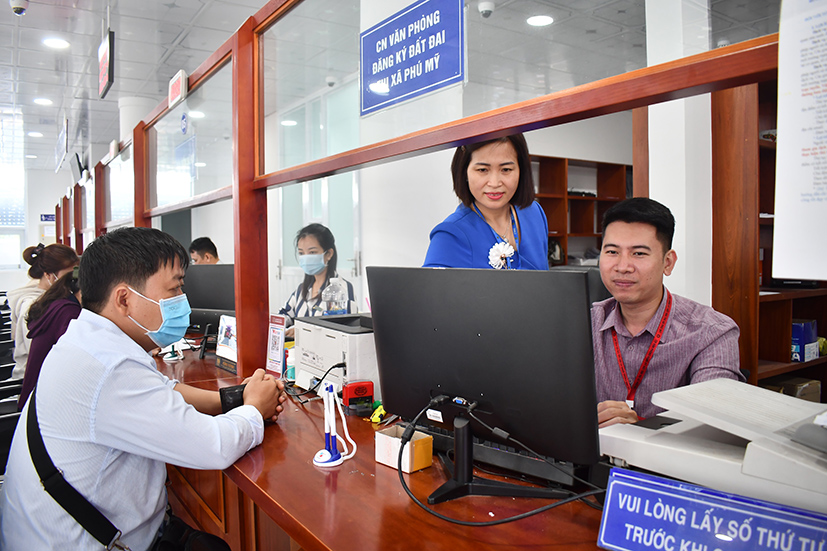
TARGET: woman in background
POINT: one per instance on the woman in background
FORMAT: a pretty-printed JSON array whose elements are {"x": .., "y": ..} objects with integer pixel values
[
  {"x": 48, "y": 318},
  {"x": 48, "y": 264},
  {"x": 498, "y": 225},
  {"x": 316, "y": 249}
]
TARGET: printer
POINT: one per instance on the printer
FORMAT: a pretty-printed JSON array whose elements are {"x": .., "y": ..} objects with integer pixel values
[
  {"x": 732, "y": 437},
  {"x": 324, "y": 341}
]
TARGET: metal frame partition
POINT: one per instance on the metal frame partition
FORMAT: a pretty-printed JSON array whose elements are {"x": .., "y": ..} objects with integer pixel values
[{"x": 731, "y": 67}]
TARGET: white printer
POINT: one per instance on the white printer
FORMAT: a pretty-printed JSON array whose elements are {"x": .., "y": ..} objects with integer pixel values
[
  {"x": 732, "y": 437},
  {"x": 322, "y": 342}
]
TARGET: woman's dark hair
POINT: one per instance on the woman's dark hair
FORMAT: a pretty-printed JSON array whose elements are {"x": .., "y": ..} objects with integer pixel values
[
  {"x": 326, "y": 240},
  {"x": 67, "y": 285},
  {"x": 646, "y": 211},
  {"x": 524, "y": 195},
  {"x": 126, "y": 255},
  {"x": 49, "y": 260}
]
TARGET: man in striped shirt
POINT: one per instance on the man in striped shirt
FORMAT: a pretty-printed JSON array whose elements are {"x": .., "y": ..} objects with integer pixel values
[{"x": 645, "y": 338}]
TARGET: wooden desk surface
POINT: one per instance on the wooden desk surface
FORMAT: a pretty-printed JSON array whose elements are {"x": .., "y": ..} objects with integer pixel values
[{"x": 361, "y": 504}]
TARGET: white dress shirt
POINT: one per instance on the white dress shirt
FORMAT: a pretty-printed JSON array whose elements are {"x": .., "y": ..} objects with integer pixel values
[{"x": 110, "y": 421}]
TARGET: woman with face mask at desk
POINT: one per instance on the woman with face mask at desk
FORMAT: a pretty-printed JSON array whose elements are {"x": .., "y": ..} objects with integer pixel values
[
  {"x": 316, "y": 250},
  {"x": 498, "y": 225}
]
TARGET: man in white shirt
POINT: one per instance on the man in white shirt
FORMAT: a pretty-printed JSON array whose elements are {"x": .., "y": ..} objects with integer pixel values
[{"x": 109, "y": 420}]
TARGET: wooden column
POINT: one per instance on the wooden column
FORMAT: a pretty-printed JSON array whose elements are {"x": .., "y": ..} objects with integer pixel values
[
  {"x": 66, "y": 230},
  {"x": 100, "y": 199},
  {"x": 78, "y": 195},
  {"x": 640, "y": 152},
  {"x": 141, "y": 165},
  {"x": 58, "y": 224},
  {"x": 735, "y": 214},
  {"x": 249, "y": 212}
]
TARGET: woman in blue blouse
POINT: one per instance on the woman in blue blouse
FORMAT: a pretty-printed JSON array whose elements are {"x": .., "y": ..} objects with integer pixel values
[{"x": 498, "y": 225}]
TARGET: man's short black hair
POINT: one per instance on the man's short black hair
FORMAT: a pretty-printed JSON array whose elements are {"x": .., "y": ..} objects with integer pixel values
[
  {"x": 202, "y": 246},
  {"x": 646, "y": 211},
  {"x": 125, "y": 255}
]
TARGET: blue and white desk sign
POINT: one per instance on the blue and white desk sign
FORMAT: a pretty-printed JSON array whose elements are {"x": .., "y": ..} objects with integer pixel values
[
  {"x": 415, "y": 51},
  {"x": 648, "y": 512}
]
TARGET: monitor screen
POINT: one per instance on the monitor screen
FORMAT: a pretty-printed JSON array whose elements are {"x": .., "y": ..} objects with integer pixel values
[
  {"x": 210, "y": 289},
  {"x": 516, "y": 342}
]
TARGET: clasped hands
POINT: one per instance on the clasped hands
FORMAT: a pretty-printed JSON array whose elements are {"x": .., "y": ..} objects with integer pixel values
[{"x": 266, "y": 393}]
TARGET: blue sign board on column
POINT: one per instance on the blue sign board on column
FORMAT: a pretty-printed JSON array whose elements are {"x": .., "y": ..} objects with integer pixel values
[{"x": 415, "y": 51}]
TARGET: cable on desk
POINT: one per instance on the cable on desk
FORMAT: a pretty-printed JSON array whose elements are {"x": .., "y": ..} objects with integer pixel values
[
  {"x": 407, "y": 435},
  {"x": 318, "y": 382}
]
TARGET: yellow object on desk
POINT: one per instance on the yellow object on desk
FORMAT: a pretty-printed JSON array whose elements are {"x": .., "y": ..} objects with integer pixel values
[{"x": 378, "y": 415}]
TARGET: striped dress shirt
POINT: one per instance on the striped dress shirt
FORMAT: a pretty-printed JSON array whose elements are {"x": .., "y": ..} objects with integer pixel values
[{"x": 698, "y": 344}]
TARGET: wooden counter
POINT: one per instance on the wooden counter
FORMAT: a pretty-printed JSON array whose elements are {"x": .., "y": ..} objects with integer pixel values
[{"x": 275, "y": 498}]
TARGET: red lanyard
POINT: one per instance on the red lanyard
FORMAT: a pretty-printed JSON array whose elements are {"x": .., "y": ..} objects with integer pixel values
[{"x": 632, "y": 388}]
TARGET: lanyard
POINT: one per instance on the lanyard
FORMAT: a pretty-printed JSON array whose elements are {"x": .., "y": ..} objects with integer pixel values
[
  {"x": 632, "y": 388},
  {"x": 515, "y": 228}
]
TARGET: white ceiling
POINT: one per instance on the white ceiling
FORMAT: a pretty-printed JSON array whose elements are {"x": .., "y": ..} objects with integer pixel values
[{"x": 590, "y": 40}]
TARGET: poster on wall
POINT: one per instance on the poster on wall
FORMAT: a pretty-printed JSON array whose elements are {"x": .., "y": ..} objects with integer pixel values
[
  {"x": 417, "y": 50},
  {"x": 801, "y": 165}
]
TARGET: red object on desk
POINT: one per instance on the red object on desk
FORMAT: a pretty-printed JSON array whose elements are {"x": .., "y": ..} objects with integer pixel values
[{"x": 356, "y": 392}]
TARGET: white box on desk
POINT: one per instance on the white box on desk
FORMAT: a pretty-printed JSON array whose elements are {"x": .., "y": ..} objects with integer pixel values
[{"x": 420, "y": 449}]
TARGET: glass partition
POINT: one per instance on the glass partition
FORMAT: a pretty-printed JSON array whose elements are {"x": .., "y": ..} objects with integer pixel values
[
  {"x": 120, "y": 192},
  {"x": 190, "y": 148},
  {"x": 313, "y": 52}
]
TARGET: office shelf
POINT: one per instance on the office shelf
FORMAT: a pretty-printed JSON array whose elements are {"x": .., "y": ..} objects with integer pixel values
[
  {"x": 744, "y": 188},
  {"x": 571, "y": 214}
]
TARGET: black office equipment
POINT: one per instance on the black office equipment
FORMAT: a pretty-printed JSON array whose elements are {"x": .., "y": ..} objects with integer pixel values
[
  {"x": 518, "y": 343},
  {"x": 210, "y": 289}
]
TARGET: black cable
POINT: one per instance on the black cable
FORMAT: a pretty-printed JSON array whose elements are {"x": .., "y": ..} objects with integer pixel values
[
  {"x": 406, "y": 437},
  {"x": 318, "y": 382},
  {"x": 502, "y": 434}
]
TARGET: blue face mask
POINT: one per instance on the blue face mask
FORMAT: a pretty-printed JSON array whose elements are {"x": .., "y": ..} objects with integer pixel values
[
  {"x": 175, "y": 313},
  {"x": 312, "y": 264}
]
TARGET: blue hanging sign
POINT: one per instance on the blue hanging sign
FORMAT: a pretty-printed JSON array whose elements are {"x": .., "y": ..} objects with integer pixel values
[
  {"x": 644, "y": 512},
  {"x": 415, "y": 51}
]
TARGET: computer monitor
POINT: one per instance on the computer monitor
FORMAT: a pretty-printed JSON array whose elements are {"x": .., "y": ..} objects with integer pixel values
[
  {"x": 597, "y": 290},
  {"x": 210, "y": 289},
  {"x": 516, "y": 342}
]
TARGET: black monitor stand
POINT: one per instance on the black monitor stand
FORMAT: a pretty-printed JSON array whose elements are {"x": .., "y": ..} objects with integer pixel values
[
  {"x": 463, "y": 483},
  {"x": 204, "y": 341}
]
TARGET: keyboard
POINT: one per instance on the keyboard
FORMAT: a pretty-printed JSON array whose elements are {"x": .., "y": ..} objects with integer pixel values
[{"x": 504, "y": 456}]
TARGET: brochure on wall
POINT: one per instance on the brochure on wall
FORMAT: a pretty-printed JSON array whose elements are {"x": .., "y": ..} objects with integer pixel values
[
  {"x": 801, "y": 164},
  {"x": 226, "y": 349},
  {"x": 275, "y": 345}
]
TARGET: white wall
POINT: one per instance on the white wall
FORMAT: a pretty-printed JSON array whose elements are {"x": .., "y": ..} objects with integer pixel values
[
  {"x": 44, "y": 189},
  {"x": 680, "y": 147},
  {"x": 216, "y": 222}
]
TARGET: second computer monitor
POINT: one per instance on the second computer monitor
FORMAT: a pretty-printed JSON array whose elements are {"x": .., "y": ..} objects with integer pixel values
[{"x": 210, "y": 289}]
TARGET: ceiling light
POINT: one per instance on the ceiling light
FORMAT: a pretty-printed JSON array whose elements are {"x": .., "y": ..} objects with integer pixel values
[
  {"x": 43, "y": 101},
  {"x": 289, "y": 123},
  {"x": 197, "y": 114},
  {"x": 31, "y": 156},
  {"x": 35, "y": 135},
  {"x": 200, "y": 165},
  {"x": 540, "y": 20},
  {"x": 56, "y": 43}
]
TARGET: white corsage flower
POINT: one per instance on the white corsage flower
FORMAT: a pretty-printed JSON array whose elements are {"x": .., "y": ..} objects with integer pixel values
[{"x": 498, "y": 255}]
